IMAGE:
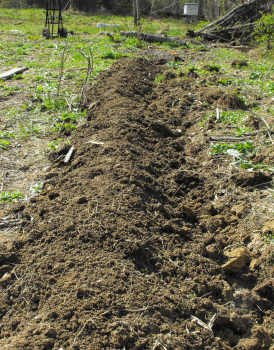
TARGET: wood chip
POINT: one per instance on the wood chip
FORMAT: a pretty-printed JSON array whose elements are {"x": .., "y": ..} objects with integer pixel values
[{"x": 68, "y": 155}]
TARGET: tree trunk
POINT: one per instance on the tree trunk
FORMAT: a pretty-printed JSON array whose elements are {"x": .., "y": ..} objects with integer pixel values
[{"x": 136, "y": 12}]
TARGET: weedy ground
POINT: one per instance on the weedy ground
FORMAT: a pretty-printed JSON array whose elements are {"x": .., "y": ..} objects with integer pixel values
[{"x": 41, "y": 108}]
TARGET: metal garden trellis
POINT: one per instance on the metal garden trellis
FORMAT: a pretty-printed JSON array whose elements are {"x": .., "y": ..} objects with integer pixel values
[{"x": 54, "y": 21}]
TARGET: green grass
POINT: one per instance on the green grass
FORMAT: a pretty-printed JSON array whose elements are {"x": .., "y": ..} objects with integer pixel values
[
  {"x": 39, "y": 110},
  {"x": 30, "y": 106}
]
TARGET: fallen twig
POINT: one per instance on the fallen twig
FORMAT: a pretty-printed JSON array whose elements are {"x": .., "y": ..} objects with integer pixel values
[
  {"x": 267, "y": 128},
  {"x": 208, "y": 325},
  {"x": 227, "y": 138}
]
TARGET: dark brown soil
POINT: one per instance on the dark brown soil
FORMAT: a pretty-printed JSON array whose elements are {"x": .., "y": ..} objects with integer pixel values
[{"x": 139, "y": 236}]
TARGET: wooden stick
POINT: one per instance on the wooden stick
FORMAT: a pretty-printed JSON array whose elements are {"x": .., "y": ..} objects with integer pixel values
[{"x": 226, "y": 138}]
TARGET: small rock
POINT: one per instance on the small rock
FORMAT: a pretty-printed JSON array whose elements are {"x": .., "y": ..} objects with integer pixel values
[
  {"x": 6, "y": 277},
  {"x": 253, "y": 264},
  {"x": 212, "y": 251},
  {"x": 83, "y": 293},
  {"x": 53, "y": 195},
  {"x": 268, "y": 227},
  {"x": 50, "y": 175},
  {"x": 239, "y": 257},
  {"x": 260, "y": 339},
  {"x": 4, "y": 269},
  {"x": 81, "y": 200},
  {"x": 51, "y": 333},
  {"x": 47, "y": 345},
  {"x": 265, "y": 289},
  {"x": 233, "y": 218},
  {"x": 239, "y": 210}
]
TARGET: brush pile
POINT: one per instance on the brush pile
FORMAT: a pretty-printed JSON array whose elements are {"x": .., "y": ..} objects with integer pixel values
[{"x": 238, "y": 24}]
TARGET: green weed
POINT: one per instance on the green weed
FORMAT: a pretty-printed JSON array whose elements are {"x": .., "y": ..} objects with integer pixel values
[
  {"x": 242, "y": 130},
  {"x": 222, "y": 148},
  {"x": 260, "y": 166},
  {"x": 225, "y": 82},
  {"x": 159, "y": 78},
  {"x": 29, "y": 130},
  {"x": 64, "y": 127},
  {"x": 4, "y": 144},
  {"x": 11, "y": 196},
  {"x": 232, "y": 117}
]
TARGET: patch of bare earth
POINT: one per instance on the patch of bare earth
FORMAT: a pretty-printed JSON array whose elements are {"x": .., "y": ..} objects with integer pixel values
[{"x": 142, "y": 240}]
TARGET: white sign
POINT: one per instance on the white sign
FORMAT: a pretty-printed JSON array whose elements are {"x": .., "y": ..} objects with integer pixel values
[{"x": 191, "y": 9}]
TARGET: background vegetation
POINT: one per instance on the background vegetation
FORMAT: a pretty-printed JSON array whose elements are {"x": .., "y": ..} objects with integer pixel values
[{"x": 209, "y": 9}]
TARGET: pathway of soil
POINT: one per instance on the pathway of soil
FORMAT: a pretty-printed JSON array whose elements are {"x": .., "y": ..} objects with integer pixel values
[{"x": 126, "y": 247}]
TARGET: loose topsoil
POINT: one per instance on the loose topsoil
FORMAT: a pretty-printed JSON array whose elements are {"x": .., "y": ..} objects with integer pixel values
[{"x": 140, "y": 241}]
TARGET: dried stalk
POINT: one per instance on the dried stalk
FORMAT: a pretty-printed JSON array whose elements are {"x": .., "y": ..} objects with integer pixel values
[
  {"x": 62, "y": 66},
  {"x": 90, "y": 60}
]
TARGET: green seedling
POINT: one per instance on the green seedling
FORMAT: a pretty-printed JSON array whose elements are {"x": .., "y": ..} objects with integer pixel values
[
  {"x": 232, "y": 117},
  {"x": 63, "y": 127},
  {"x": 37, "y": 187},
  {"x": 6, "y": 135},
  {"x": 242, "y": 148},
  {"x": 256, "y": 75},
  {"x": 53, "y": 145},
  {"x": 243, "y": 130},
  {"x": 227, "y": 117},
  {"x": 29, "y": 130},
  {"x": 248, "y": 165},
  {"x": 11, "y": 196},
  {"x": 192, "y": 69},
  {"x": 225, "y": 82},
  {"x": 4, "y": 144},
  {"x": 53, "y": 104},
  {"x": 159, "y": 78}
]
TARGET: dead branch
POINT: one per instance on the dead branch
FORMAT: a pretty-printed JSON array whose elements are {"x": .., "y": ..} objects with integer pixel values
[{"x": 154, "y": 38}]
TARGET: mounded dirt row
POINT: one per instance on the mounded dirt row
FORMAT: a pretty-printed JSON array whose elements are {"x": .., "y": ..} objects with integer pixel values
[{"x": 125, "y": 248}]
